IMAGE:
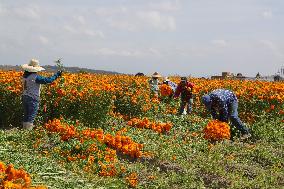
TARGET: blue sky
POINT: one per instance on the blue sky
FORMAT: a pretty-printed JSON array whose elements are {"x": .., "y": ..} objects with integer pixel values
[{"x": 185, "y": 37}]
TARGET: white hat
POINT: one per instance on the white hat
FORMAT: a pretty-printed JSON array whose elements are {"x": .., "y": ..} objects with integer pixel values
[{"x": 33, "y": 66}]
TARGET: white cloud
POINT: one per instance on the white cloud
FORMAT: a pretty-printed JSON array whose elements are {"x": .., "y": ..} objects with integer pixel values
[
  {"x": 69, "y": 29},
  {"x": 31, "y": 12},
  {"x": 106, "y": 11},
  {"x": 113, "y": 52},
  {"x": 157, "y": 20},
  {"x": 3, "y": 47},
  {"x": 43, "y": 40},
  {"x": 83, "y": 31},
  {"x": 219, "y": 42},
  {"x": 122, "y": 24},
  {"x": 275, "y": 50},
  {"x": 173, "y": 5},
  {"x": 28, "y": 12},
  {"x": 80, "y": 19},
  {"x": 144, "y": 20},
  {"x": 94, "y": 33},
  {"x": 154, "y": 51},
  {"x": 2, "y": 9},
  {"x": 120, "y": 52},
  {"x": 139, "y": 17},
  {"x": 267, "y": 14}
]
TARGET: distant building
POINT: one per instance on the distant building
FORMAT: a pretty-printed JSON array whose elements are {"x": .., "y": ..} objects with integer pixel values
[
  {"x": 282, "y": 71},
  {"x": 216, "y": 77},
  {"x": 225, "y": 75},
  {"x": 277, "y": 78},
  {"x": 239, "y": 76}
]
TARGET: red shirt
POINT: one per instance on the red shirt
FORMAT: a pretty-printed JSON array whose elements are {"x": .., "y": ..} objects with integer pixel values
[{"x": 184, "y": 90}]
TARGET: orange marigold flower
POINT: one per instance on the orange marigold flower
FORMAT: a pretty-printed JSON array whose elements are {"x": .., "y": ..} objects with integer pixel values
[
  {"x": 217, "y": 130},
  {"x": 132, "y": 180},
  {"x": 166, "y": 90}
]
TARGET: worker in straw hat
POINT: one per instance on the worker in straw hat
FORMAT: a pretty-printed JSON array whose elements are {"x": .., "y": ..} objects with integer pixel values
[
  {"x": 31, "y": 91},
  {"x": 154, "y": 83}
]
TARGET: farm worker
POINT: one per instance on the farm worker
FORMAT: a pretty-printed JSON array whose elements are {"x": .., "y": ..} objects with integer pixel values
[
  {"x": 31, "y": 90},
  {"x": 184, "y": 89},
  {"x": 168, "y": 82},
  {"x": 154, "y": 83},
  {"x": 223, "y": 105}
]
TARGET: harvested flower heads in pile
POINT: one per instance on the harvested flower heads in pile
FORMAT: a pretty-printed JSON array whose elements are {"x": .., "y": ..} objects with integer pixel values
[
  {"x": 217, "y": 130},
  {"x": 14, "y": 178},
  {"x": 166, "y": 90}
]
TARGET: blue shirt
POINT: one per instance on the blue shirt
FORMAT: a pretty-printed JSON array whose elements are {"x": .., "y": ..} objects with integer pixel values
[
  {"x": 45, "y": 80},
  {"x": 221, "y": 99},
  {"x": 32, "y": 82},
  {"x": 172, "y": 85}
]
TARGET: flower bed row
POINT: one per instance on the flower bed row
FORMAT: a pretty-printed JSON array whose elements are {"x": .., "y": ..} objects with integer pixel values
[
  {"x": 118, "y": 142},
  {"x": 146, "y": 123}
]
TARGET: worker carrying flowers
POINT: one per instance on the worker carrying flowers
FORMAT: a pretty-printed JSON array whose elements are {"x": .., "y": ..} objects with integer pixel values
[
  {"x": 184, "y": 89},
  {"x": 170, "y": 83},
  {"x": 223, "y": 106},
  {"x": 31, "y": 90}
]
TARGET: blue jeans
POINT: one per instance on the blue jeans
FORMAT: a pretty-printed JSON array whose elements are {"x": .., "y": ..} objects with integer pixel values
[
  {"x": 234, "y": 118},
  {"x": 183, "y": 103},
  {"x": 30, "y": 108}
]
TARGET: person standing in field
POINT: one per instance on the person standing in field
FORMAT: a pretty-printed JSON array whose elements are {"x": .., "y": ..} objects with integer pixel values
[
  {"x": 154, "y": 83},
  {"x": 31, "y": 90},
  {"x": 223, "y": 106},
  {"x": 184, "y": 89}
]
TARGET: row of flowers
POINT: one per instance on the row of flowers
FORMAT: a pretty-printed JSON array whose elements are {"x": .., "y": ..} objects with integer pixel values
[
  {"x": 146, "y": 123},
  {"x": 79, "y": 85},
  {"x": 118, "y": 142},
  {"x": 81, "y": 94}
]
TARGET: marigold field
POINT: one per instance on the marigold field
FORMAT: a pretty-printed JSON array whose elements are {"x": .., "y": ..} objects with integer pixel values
[{"x": 108, "y": 131}]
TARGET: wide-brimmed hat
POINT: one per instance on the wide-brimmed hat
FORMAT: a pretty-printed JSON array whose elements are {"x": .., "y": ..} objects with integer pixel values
[
  {"x": 33, "y": 66},
  {"x": 156, "y": 75},
  {"x": 167, "y": 79},
  {"x": 206, "y": 100}
]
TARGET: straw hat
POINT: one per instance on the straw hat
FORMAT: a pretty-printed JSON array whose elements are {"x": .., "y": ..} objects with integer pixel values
[
  {"x": 33, "y": 66},
  {"x": 156, "y": 75}
]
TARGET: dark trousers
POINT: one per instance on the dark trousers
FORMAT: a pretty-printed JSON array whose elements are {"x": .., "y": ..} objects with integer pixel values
[
  {"x": 234, "y": 118},
  {"x": 30, "y": 108},
  {"x": 187, "y": 104}
]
